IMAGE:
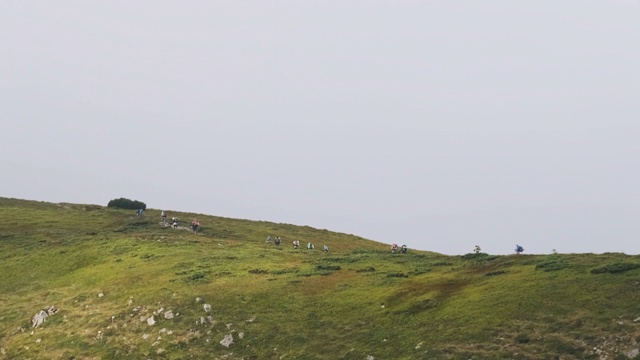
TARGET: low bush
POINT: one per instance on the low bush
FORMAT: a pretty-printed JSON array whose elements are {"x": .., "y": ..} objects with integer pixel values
[
  {"x": 615, "y": 268},
  {"x": 123, "y": 203}
]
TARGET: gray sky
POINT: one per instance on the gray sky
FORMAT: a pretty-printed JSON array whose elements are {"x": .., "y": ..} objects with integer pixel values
[{"x": 439, "y": 124}]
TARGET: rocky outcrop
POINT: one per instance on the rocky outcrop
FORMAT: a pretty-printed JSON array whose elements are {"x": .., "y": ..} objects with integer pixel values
[
  {"x": 39, "y": 318},
  {"x": 227, "y": 341}
]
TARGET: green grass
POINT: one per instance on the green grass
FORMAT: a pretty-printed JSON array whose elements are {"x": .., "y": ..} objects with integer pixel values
[{"x": 355, "y": 301}]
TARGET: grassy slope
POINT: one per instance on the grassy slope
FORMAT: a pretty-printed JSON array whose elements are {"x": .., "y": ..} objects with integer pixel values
[{"x": 355, "y": 301}]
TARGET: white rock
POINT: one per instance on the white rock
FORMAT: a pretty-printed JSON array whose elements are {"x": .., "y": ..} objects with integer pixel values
[
  {"x": 168, "y": 314},
  {"x": 241, "y": 335},
  {"x": 198, "y": 299},
  {"x": 207, "y": 307},
  {"x": 151, "y": 321},
  {"x": 39, "y": 318},
  {"x": 229, "y": 325},
  {"x": 227, "y": 341},
  {"x": 145, "y": 336},
  {"x": 101, "y": 295}
]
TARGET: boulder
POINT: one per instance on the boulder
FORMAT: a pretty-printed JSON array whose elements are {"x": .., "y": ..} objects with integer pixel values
[
  {"x": 39, "y": 318},
  {"x": 227, "y": 341}
]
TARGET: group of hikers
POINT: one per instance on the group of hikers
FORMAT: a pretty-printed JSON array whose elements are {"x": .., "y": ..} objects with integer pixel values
[
  {"x": 195, "y": 225},
  {"x": 394, "y": 249},
  {"x": 296, "y": 244}
]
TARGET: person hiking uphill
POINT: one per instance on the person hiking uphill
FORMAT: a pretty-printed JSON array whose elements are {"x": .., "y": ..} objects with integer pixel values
[
  {"x": 163, "y": 217},
  {"x": 519, "y": 249},
  {"x": 195, "y": 225}
]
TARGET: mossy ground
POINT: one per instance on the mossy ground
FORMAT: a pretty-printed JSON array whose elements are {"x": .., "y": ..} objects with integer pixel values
[{"x": 355, "y": 301}]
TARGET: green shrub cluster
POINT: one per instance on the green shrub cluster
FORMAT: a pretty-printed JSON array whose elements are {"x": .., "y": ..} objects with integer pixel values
[
  {"x": 124, "y": 203},
  {"x": 615, "y": 268},
  {"x": 552, "y": 265}
]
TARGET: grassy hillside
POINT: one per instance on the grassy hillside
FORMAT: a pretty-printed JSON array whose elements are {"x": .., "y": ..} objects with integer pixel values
[{"x": 108, "y": 272}]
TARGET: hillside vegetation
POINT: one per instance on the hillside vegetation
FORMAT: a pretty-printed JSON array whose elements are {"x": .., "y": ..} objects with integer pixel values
[{"x": 126, "y": 287}]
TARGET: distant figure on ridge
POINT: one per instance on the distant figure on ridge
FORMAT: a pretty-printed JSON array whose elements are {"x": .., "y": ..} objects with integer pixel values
[
  {"x": 403, "y": 249},
  {"x": 174, "y": 222},
  {"x": 296, "y": 244},
  {"x": 394, "y": 248},
  {"x": 310, "y": 246},
  {"x": 519, "y": 249},
  {"x": 163, "y": 217},
  {"x": 195, "y": 225},
  {"x": 268, "y": 238},
  {"x": 277, "y": 240},
  {"x": 139, "y": 212},
  {"x": 325, "y": 248}
]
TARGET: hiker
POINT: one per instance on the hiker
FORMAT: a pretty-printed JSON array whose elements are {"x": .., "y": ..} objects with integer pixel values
[
  {"x": 519, "y": 249},
  {"x": 195, "y": 225},
  {"x": 325, "y": 248},
  {"x": 268, "y": 238},
  {"x": 140, "y": 212},
  {"x": 163, "y": 217},
  {"x": 403, "y": 249},
  {"x": 394, "y": 248},
  {"x": 296, "y": 244},
  {"x": 310, "y": 246},
  {"x": 174, "y": 222},
  {"x": 277, "y": 240}
]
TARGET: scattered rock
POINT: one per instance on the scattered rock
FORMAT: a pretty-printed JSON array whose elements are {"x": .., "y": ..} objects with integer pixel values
[
  {"x": 101, "y": 295},
  {"x": 633, "y": 353},
  {"x": 145, "y": 336},
  {"x": 168, "y": 314},
  {"x": 38, "y": 340},
  {"x": 252, "y": 319},
  {"x": 51, "y": 309},
  {"x": 39, "y": 318},
  {"x": 160, "y": 351},
  {"x": 229, "y": 325},
  {"x": 198, "y": 299},
  {"x": 227, "y": 341},
  {"x": 207, "y": 307},
  {"x": 151, "y": 321},
  {"x": 369, "y": 357},
  {"x": 241, "y": 335}
]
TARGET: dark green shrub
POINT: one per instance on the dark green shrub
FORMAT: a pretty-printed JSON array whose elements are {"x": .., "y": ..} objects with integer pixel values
[
  {"x": 327, "y": 267},
  {"x": 400, "y": 275},
  {"x": 522, "y": 338},
  {"x": 494, "y": 273},
  {"x": 123, "y": 203},
  {"x": 369, "y": 269},
  {"x": 552, "y": 265},
  {"x": 615, "y": 268}
]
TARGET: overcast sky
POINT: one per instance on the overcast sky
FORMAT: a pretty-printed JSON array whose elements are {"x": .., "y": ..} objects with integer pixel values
[{"x": 438, "y": 124}]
